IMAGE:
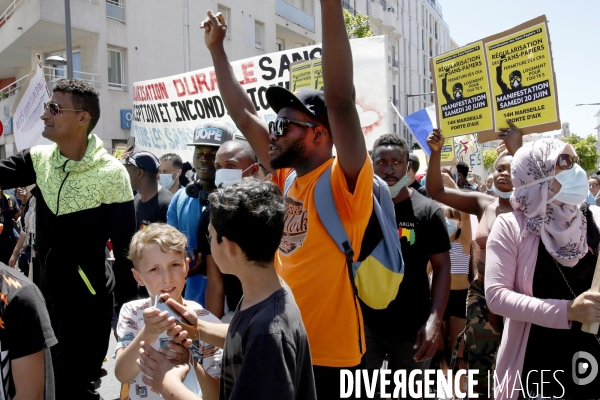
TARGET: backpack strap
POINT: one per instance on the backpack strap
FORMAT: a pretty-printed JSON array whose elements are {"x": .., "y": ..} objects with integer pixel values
[
  {"x": 330, "y": 218},
  {"x": 289, "y": 181}
]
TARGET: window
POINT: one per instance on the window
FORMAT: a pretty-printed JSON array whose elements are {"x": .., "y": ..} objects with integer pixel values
[
  {"x": 280, "y": 45},
  {"x": 394, "y": 128},
  {"x": 258, "y": 34},
  {"x": 2, "y": 152},
  {"x": 115, "y": 69},
  {"x": 225, "y": 11},
  {"x": 60, "y": 71}
]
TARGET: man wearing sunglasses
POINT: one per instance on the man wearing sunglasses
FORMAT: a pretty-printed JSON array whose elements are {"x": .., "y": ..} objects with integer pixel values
[
  {"x": 309, "y": 122},
  {"x": 84, "y": 198}
]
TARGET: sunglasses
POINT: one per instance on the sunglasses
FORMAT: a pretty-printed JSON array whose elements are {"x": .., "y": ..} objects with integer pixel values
[
  {"x": 593, "y": 185},
  {"x": 279, "y": 126},
  {"x": 56, "y": 110},
  {"x": 566, "y": 161}
]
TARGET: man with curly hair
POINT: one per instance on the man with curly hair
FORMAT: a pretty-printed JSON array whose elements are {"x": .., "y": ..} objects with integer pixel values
[{"x": 83, "y": 198}]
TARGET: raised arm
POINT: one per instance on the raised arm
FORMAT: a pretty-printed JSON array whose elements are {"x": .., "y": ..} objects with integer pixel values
[
  {"x": 468, "y": 202},
  {"x": 339, "y": 92},
  {"x": 236, "y": 99},
  {"x": 17, "y": 170}
]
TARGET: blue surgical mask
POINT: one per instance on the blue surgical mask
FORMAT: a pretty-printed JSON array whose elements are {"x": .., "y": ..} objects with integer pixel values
[
  {"x": 574, "y": 184},
  {"x": 166, "y": 180},
  {"x": 452, "y": 226},
  {"x": 503, "y": 195}
]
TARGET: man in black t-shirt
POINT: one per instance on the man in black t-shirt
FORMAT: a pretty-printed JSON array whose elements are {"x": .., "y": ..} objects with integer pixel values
[
  {"x": 407, "y": 329},
  {"x": 25, "y": 339},
  {"x": 8, "y": 210},
  {"x": 152, "y": 200}
]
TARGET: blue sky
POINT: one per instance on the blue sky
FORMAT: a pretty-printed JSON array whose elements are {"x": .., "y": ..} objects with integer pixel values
[{"x": 574, "y": 33}]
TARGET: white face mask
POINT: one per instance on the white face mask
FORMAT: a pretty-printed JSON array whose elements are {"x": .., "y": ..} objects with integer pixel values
[
  {"x": 397, "y": 187},
  {"x": 574, "y": 188},
  {"x": 166, "y": 180},
  {"x": 226, "y": 177},
  {"x": 503, "y": 195}
]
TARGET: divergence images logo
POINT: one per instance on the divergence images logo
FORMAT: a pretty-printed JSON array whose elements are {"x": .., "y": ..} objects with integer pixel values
[{"x": 584, "y": 368}]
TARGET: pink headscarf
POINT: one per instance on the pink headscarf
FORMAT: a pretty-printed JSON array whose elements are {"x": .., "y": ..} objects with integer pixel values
[{"x": 562, "y": 227}]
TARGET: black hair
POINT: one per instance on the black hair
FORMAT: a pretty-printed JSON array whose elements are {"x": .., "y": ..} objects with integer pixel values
[
  {"x": 177, "y": 161},
  {"x": 83, "y": 96},
  {"x": 391, "y": 139},
  {"x": 414, "y": 162},
  {"x": 250, "y": 213},
  {"x": 462, "y": 168}
]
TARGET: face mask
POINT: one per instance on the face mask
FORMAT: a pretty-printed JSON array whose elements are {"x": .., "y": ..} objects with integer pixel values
[
  {"x": 503, "y": 195},
  {"x": 227, "y": 177},
  {"x": 397, "y": 187},
  {"x": 452, "y": 226},
  {"x": 574, "y": 188},
  {"x": 166, "y": 180}
]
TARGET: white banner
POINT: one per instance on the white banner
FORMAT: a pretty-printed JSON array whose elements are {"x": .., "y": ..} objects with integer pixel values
[
  {"x": 468, "y": 150},
  {"x": 28, "y": 108},
  {"x": 166, "y": 110}
]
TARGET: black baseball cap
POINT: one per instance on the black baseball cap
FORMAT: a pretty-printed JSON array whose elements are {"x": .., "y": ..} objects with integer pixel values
[
  {"x": 310, "y": 101},
  {"x": 212, "y": 133},
  {"x": 143, "y": 160}
]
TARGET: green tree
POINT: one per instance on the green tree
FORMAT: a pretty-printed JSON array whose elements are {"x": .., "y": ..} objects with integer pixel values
[
  {"x": 586, "y": 150},
  {"x": 489, "y": 158},
  {"x": 357, "y": 26}
]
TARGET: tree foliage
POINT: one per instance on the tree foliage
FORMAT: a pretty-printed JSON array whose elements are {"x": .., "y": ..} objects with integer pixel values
[
  {"x": 489, "y": 158},
  {"x": 357, "y": 26},
  {"x": 586, "y": 150}
]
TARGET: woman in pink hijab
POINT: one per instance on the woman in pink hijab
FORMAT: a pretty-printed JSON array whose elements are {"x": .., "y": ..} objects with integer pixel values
[{"x": 540, "y": 286}]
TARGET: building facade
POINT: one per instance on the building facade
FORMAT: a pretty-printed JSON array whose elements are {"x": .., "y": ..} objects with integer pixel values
[{"x": 118, "y": 42}]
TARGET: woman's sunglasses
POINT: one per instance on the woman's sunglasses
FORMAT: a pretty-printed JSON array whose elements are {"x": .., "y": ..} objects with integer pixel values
[
  {"x": 566, "y": 161},
  {"x": 279, "y": 126},
  {"x": 55, "y": 109}
]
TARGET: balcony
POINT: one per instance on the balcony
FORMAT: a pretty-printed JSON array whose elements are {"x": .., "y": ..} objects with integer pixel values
[
  {"x": 28, "y": 25},
  {"x": 294, "y": 14},
  {"x": 51, "y": 74},
  {"x": 115, "y": 9},
  {"x": 377, "y": 9}
]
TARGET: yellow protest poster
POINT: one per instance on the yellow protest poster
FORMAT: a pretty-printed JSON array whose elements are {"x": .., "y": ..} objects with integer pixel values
[
  {"x": 461, "y": 85},
  {"x": 522, "y": 78},
  {"x": 448, "y": 150},
  {"x": 301, "y": 75},
  {"x": 119, "y": 150},
  {"x": 317, "y": 74}
]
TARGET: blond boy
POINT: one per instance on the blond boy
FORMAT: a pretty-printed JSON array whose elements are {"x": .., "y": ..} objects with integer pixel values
[{"x": 158, "y": 256}]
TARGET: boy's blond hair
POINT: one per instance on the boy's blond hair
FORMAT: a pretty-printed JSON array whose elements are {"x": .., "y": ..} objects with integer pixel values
[{"x": 164, "y": 236}]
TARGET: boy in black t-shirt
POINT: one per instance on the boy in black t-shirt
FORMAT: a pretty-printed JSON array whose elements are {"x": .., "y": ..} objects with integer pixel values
[
  {"x": 407, "y": 329},
  {"x": 266, "y": 352},
  {"x": 25, "y": 339}
]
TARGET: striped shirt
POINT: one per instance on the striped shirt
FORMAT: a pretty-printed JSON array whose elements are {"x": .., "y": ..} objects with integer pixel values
[{"x": 459, "y": 262}]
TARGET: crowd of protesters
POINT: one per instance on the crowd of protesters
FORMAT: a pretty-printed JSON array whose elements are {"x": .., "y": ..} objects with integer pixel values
[{"x": 226, "y": 283}]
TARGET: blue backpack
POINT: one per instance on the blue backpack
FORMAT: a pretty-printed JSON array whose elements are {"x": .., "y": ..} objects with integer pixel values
[{"x": 375, "y": 279}]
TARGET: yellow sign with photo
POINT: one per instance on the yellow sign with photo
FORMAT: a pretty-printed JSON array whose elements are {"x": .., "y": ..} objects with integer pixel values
[
  {"x": 462, "y": 91},
  {"x": 522, "y": 81},
  {"x": 306, "y": 73},
  {"x": 448, "y": 150}
]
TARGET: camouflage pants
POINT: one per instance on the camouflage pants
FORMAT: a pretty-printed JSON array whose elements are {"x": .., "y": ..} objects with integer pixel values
[{"x": 482, "y": 336}]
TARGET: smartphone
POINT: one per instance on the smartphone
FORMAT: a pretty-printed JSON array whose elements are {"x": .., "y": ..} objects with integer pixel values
[{"x": 192, "y": 331}]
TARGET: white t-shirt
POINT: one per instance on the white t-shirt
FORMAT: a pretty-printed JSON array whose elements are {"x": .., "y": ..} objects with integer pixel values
[{"x": 131, "y": 322}]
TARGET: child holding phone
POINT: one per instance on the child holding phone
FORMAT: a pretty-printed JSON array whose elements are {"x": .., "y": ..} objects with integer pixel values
[{"x": 160, "y": 264}]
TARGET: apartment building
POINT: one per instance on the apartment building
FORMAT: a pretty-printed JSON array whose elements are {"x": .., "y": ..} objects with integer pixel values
[
  {"x": 118, "y": 42},
  {"x": 416, "y": 31}
]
